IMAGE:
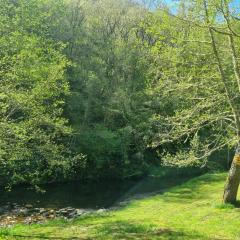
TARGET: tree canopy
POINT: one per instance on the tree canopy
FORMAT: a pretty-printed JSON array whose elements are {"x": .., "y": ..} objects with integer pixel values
[{"x": 93, "y": 89}]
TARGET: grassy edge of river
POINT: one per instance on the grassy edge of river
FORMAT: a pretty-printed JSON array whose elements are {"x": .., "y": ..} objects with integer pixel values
[{"x": 192, "y": 210}]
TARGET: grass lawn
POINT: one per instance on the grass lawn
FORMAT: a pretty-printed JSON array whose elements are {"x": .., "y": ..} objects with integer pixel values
[{"x": 192, "y": 210}]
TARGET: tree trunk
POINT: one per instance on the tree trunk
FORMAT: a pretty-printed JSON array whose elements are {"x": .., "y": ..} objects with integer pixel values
[{"x": 231, "y": 187}]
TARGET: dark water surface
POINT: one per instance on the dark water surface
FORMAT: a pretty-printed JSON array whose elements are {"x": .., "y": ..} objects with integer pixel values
[
  {"x": 88, "y": 195},
  {"x": 91, "y": 195}
]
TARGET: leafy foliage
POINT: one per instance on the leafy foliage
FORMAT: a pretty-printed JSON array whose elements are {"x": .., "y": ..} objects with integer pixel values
[{"x": 105, "y": 88}]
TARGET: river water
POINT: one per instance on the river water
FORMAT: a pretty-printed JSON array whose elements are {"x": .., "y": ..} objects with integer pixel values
[{"x": 87, "y": 195}]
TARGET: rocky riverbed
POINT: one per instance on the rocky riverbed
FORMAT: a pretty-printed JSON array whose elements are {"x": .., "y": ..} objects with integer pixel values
[{"x": 12, "y": 214}]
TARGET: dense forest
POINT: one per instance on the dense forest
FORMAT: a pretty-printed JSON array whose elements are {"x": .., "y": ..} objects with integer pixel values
[{"x": 111, "y": 89}]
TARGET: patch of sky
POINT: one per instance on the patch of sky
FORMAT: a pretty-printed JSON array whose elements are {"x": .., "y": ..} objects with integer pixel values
[{"x": 173, "y": 6}]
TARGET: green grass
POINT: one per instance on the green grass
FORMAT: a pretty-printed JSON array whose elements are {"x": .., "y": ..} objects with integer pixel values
[{"x": 192, "y": 210}]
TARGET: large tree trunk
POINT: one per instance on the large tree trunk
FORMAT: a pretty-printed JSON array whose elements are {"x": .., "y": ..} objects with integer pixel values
[{"x": 231, "y": 187}]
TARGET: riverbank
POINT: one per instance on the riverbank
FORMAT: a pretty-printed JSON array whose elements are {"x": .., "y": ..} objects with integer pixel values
[
  {"x": 74, "y": 199},
  {"x": 192, "y": 210}
]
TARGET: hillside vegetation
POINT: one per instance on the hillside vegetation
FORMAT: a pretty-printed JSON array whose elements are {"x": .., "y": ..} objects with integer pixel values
[{"x": 112, "y": 90}]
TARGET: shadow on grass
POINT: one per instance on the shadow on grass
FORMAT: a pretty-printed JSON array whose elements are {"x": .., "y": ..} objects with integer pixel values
[
  {"x": 235, "y": 205},
  {"x": 44, "y": 236},
  {"x": 154, "y": 185},
  {"x": 118, "y": 230},
  {"x": 149, "y": 187},
  {"x": 130, "y": 231},
  {"x": 195, "y": 189}
]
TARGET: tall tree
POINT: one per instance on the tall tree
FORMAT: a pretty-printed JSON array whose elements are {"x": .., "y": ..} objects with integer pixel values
[
  {"x": 33, "y": 90},
  {"x": 196, "y": 85},
  {"x": 107, "y": 81}
]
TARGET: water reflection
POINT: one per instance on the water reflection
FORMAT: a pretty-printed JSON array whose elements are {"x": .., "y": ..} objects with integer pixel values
[{"x": 88, "y": 195}]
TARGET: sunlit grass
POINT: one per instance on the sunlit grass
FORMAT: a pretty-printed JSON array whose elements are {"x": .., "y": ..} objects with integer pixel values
[{"x": 192, "y": 210}]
